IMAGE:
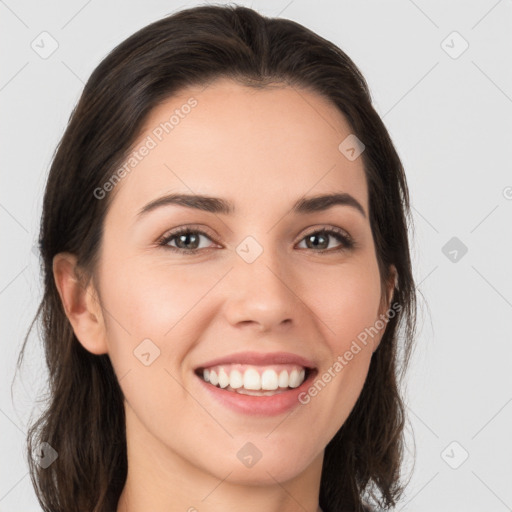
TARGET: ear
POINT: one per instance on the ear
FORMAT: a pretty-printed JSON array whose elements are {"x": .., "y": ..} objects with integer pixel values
[
  {"x": 81, "y": 304},
  {"x": 389, "y": 292},
  {"x": 392, "y": 284}
]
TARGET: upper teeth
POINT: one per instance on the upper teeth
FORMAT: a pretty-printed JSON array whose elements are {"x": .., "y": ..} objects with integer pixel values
[{"x": 254, "y": 377}]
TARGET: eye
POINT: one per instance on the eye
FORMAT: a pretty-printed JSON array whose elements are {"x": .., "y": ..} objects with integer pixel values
[
  {"x": 185, "y": 238},
  {"x": 188, "y": 240},
  {"x": 319, "y": 239}
]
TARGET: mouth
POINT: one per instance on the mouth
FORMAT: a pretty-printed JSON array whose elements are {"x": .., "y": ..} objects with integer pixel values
[
  {"x": 254, "y": 380},
  {"x": 257, "y": 384}
]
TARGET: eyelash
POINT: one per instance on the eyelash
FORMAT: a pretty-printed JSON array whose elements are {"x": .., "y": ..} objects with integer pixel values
[{"x": 345, "y": 239}]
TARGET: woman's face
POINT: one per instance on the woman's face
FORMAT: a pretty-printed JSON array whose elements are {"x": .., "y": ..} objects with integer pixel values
[{"x": 264, "y": 280}]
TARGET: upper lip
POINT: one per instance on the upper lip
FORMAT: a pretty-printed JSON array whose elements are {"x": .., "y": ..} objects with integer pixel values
[{"x": 259, "y": 358}]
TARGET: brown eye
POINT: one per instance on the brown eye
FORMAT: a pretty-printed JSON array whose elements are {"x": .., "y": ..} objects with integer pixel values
[
  {"x": 186, "y": 240},
  {"x": 320, "y": 240}
]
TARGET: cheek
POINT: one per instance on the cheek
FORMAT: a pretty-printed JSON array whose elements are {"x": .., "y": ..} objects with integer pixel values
[
  {"x": 161, "y": 303},
  {"x": 346, "y": 299},
  {"x": 154, "y": 315},
  {"x": 345, "y": 302},
  {"x": 153, "y": 300}
]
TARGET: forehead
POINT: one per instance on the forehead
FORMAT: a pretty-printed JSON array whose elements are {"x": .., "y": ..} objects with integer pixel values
[{"x": 254, "y": 146}]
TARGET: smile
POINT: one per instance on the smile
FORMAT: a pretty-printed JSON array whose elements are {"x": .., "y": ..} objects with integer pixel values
[
  {"x": 255, "y": 380},
  {"x": 256, "y": 383}
]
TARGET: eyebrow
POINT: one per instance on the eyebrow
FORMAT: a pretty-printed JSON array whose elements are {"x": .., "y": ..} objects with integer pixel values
[{"x": 216, "y": 205}]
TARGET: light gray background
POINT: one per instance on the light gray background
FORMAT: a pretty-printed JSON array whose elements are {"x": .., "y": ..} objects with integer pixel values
[{"x": 451, "y": 121}]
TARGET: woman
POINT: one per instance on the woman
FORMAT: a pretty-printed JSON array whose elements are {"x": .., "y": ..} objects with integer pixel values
[{"x": 226, "y": 268}]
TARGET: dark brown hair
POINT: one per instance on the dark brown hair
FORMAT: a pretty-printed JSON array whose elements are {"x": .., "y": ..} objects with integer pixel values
[{"x": 84, "y": 416}]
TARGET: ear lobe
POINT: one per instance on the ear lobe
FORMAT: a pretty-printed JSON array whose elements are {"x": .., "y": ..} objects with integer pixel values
[
  {"x": 81, "y": 304},
  {"x": 393, "y": 283}
]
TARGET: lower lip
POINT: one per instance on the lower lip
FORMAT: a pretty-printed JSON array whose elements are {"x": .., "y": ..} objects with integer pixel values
[{"x": 259, "y": 405}]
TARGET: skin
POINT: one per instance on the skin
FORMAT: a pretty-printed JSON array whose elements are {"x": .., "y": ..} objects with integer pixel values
[{"x": 262, "y": 150}]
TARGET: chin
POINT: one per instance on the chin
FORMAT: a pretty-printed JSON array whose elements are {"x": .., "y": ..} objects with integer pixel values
[{"x": 265, "y": 471}]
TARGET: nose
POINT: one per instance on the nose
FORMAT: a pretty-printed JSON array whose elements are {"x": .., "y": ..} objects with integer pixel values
[{"x": 261, "y": 294}]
